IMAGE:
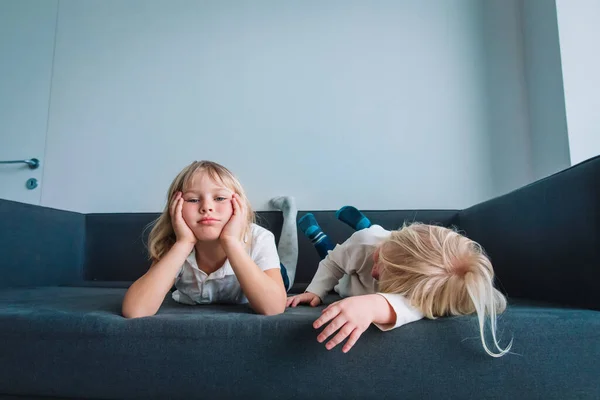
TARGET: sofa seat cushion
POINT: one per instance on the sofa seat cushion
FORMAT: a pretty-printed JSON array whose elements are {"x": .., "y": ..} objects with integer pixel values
[{"x": 73, "y": 342}]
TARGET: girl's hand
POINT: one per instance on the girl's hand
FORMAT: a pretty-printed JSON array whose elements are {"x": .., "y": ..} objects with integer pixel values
[
  {"x": 351, "y": 316},
  {"x": 232, "y": 231},
  {"x": 308, "y": 298},
  {"x": 182, "y": 231}
]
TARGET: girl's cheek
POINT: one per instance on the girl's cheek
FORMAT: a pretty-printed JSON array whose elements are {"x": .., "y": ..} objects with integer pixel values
[
  {"x": 227, "y": 207},
  {"x": 187, "y": 211}
]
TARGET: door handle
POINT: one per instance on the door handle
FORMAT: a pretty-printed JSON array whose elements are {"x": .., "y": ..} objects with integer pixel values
[{"x": 33, "y": 163}]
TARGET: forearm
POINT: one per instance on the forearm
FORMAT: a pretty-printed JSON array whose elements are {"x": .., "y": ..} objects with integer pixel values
[
  {"x": 383, "y": 312},
  {"x": 397, "y": 312},
  {"x": 146, "y": 295},
  {"x": 327, "y": 276},
  {"x": 266, "y": 295}
]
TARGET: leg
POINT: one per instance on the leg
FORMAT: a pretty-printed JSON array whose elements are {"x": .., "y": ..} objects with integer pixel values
[
  {"x": 284, "y": 276},
  {"x": 288, "y": 242},
  {"x": 351, "y": 216},
  {"x": 309, "y": 225}
]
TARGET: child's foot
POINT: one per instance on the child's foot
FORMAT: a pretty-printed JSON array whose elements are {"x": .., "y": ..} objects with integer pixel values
[
  {"x": 351, "y": 216},
  {"x": 309, "y": 226},
  {"x": 286, "y": 204}
]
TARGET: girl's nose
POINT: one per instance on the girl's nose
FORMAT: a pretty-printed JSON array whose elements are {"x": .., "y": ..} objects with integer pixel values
[{"x": 206, "y": 207}]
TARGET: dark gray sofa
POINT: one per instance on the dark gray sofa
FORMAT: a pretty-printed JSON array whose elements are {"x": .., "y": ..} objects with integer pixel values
[{"x": 63, "y": 276}]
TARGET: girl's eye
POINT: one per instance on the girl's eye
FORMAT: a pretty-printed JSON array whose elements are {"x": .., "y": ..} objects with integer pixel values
[
  {"x": 192, "y": 200},
  {"x": 220, "y": 198}
]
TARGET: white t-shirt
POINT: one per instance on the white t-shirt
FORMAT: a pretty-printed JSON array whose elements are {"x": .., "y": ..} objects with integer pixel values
[
  {"x": 347, "y": 270},
  {"x": 194, "y": 286}
]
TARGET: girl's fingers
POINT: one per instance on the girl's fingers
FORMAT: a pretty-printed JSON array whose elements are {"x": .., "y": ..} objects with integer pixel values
[
  {"x": 234, "y": 204},
  {"x": 315, "y": 301},
  {"x": 326, "y": 317},
  {"x": 331, "y": 329},
  {"x": 341, "y": 335},
  {"x": 173, "y": 204},
  {"x": 299, "y": 300},
  {"x": 238, "y": 207},
  {"x": 179, "y": 207},
  {"x": 329, "y": 306},
  {"x": 354, "y": 336}
]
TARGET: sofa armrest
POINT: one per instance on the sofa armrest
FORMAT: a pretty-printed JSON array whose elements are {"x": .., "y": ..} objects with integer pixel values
[{"x": 544, "y": 239}]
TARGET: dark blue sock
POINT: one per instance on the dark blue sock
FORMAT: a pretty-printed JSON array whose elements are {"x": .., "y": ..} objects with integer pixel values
[
  {"x": 351, "y": 216},
  {"x": 310, "y": 227},
  {"x": 324, "y": 246},
  {"x": 284, "y": 275}
]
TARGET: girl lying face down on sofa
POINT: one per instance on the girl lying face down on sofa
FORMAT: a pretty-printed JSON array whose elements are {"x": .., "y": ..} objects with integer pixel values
[{"x": 392, "y": 278}]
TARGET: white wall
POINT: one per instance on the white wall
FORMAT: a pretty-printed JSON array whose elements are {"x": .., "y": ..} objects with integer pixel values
[
  {"x": 545, "y": 94},
  {"x": 393, "y": 104},
  {"x": 579, "y": 31},
  {"x": 380, "y": 105},
  {"x": 526, "y": 111},
  {"x": 507, "y": 102}
]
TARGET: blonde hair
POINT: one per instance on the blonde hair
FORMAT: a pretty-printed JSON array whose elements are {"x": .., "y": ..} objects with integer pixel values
[
  {"x": 162, "y": 237},
  {"x": 442, "y": 273}
]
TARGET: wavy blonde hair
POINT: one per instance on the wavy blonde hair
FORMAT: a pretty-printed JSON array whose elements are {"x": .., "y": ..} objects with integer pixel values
[
  {"x": 162, "y": 237},
  {"x": 442, "y": 273}
]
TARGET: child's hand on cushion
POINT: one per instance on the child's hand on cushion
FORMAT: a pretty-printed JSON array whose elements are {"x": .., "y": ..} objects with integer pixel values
[
  {"x": 351, "y": 316},
  {"x": 304, "y": 298}
]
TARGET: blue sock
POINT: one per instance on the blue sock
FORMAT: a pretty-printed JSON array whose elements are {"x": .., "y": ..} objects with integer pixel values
[
  {"x": 351, "y": 216},
  {"x": 310, "y": 227},
  {"x": 284, "y": 276},
  {"x": 324, "y": 246}
]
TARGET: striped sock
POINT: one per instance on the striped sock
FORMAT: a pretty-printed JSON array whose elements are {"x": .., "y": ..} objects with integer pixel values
[{"x": 310, "y": 227}]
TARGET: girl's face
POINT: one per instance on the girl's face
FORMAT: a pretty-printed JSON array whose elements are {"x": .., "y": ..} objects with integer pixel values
[
  {"x": 207, "y": 206},
  {"x": 376, "y": 266}
]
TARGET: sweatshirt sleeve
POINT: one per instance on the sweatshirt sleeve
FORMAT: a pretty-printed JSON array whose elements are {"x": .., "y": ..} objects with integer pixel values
[
  {"x": 328, "y": 275},
  {"x": 405, "y": 313},
  {"x": 345, "y": 258}
]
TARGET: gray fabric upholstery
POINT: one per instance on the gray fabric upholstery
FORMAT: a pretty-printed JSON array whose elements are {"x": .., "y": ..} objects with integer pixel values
[
  {"x": 544, "y": 239},
  {"x": 72, "y": 342},
  {"x": 40, "y": 245},
  {"x": 126, "y": 235}
]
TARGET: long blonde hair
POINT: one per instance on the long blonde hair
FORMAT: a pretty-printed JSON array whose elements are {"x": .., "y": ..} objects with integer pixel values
[
  {"x": 162, "y": 237},
  {"x": 441, "y": 273}
]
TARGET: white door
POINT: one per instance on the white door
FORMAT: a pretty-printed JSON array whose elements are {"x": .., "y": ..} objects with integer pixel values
[{"x": 27, "y": 33}]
